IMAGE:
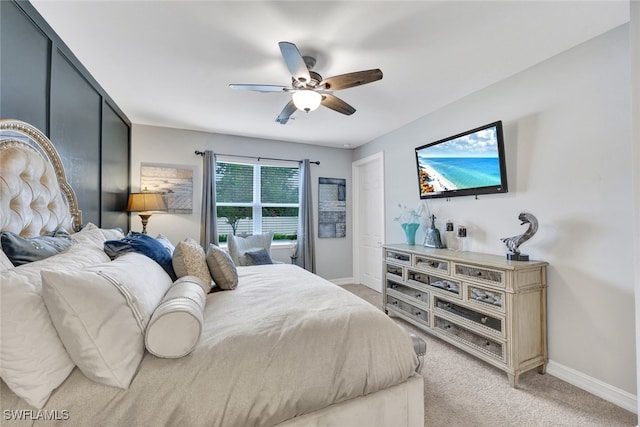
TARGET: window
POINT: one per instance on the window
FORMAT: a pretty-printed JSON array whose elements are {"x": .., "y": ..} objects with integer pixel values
[{"x": 257, "y": 198}]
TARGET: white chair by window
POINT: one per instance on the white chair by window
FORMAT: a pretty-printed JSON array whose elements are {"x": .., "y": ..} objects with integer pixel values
[{"x": 251, "y": 250}]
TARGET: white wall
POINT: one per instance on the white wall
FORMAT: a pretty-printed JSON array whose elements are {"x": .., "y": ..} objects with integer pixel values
[
  {"x": 176, "y": 147},
  {"x": 635, "y": 110},
  {"x": 567, "y": 125}
]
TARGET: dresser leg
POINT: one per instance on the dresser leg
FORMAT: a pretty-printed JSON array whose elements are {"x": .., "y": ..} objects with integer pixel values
[
  {"x": 513, "y": 380},
  {"x": 542, "y": 369}
]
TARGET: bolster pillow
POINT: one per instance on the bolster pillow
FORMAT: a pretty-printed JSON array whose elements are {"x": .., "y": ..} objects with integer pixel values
[{"x": 176, "y": 324}]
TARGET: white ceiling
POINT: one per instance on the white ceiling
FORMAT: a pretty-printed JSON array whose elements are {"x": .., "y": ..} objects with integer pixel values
[{"x": 169, "y": 63}]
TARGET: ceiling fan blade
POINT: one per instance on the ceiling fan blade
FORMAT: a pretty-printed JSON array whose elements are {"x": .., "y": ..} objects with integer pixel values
[
  {"x": 260, "y": 88},
  {"x": 287, "y": 111},
  {"x": 344, "y": 81},
  {"x": 337, "y": 104},
  {"x": 295, "y": 62}
]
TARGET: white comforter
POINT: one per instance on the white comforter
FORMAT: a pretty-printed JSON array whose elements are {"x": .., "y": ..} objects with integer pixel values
[{"x": 284, "y": 343}]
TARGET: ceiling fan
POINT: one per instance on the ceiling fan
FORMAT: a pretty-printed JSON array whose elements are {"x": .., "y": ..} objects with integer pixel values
[{"x": 309, "y": 90}]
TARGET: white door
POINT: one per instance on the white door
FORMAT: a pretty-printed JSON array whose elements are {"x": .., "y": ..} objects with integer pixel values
[{"x": 368, "y": 181}]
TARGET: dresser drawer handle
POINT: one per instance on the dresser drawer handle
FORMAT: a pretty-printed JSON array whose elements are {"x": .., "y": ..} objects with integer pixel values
[
  {"x": 484, "y": 319},
  {"x": 417, "y": 313},
  {"x": 394, "y": 302},
  {"x": 418, "y": 295},
  {"x": 479, "y": 273}
]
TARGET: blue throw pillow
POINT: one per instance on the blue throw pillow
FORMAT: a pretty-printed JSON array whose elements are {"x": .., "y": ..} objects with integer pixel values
[
  {"x": 142, "y": 244},
  {"x": 258, "y": 257},
  {"x": 23, "y": 250}
]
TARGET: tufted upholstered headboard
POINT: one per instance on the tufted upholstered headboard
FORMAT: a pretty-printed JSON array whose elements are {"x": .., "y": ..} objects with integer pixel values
[{"x": 35, "y": 196}]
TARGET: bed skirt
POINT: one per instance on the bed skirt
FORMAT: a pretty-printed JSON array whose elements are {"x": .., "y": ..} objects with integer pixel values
[{"x": 399, "y": 406}]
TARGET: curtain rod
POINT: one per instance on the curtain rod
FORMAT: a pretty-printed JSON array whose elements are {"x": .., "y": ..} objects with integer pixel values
[{"x": 201, "y": 153}]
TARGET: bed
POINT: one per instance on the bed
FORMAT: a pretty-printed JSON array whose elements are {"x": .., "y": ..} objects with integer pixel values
[{"x": 285, "y": 347}]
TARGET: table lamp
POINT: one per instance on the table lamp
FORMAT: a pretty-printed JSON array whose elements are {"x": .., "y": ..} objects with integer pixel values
[{"x": 143, "y": 203}]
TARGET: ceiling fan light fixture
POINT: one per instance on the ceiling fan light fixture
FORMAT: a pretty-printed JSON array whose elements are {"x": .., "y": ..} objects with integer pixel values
[
  {"x": 309, "y": 89},
  {"x": 306, "y": 100}
]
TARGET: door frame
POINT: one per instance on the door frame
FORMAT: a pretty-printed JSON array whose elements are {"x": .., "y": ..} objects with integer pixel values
[{"x": 355, "y": 179}]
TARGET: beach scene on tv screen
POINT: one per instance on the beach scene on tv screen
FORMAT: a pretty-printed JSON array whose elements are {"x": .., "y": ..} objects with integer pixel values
[{"x": 470, "y": 161}]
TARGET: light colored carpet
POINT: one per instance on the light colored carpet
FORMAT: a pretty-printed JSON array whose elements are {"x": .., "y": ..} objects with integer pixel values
[{"x": 460, "y": 390}]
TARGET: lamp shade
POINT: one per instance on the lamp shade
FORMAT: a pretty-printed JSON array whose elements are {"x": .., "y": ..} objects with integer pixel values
[
  {"x": 144, "y": 202},
  {"x": 306, "y": 100}
]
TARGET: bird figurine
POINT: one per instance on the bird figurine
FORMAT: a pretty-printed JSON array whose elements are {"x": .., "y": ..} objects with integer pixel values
[{"x": 513, "y": 243}]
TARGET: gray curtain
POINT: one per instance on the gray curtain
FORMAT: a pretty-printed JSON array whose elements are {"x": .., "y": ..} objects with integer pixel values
[
  {"x": 209, "y": 220},
  {"x": 305, "y": 249}
]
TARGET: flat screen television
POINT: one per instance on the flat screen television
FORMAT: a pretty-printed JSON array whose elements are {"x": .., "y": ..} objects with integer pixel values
[{"x": 469, "y": 163}]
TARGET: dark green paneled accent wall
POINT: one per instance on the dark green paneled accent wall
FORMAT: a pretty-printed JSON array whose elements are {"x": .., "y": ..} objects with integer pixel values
[
  {"x": 115, "y": 168},
  {"x": 75, "y": 119},
  {"x": 44, "y": 84},
  {"x": 23, "y": 68}
]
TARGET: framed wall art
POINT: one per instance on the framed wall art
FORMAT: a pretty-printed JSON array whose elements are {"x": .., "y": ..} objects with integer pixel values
[
  {"x": 332, "y": 207},
  {"x": 174, "y": 182}
]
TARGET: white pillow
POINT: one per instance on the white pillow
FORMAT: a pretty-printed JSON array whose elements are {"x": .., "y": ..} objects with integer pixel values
[
  {"x": 164, "y": 241},
  {"x": 5, "y": 262},
  {"x": 96, "y": 235},
  {"x": 101, "y": 314},
  {"x": 176, "y": 325},
  {"x": 89, "y": 234},
  {"x": 112, "y": 233},
  {"x": 33, "y": 361},
  {"x": 239, "y": 245}
]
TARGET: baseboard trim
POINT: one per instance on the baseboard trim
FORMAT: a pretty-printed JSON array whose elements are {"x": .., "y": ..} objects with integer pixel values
[
  {"x": 343, "y": 281},
  {"x": 594, "y": 386}
]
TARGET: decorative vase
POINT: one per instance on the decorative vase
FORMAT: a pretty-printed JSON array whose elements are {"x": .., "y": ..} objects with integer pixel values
[
  {"x": 410, "y": 229},
  {"x": 432, "y": 238}
]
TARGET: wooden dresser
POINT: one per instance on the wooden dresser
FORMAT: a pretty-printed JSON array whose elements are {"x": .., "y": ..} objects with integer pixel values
[{"x": 490, "y": 307}]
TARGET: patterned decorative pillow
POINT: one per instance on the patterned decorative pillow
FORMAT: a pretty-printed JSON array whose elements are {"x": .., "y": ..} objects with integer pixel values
[
  {"x": 239, "y": 245},
  {"x": 258, "y": 257},
  {"x": 189, "y": 260},
  {"x": 143, "y": 244},
  {"x": 222, "y": 268},
  {"x": 22, "y": 250}
]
